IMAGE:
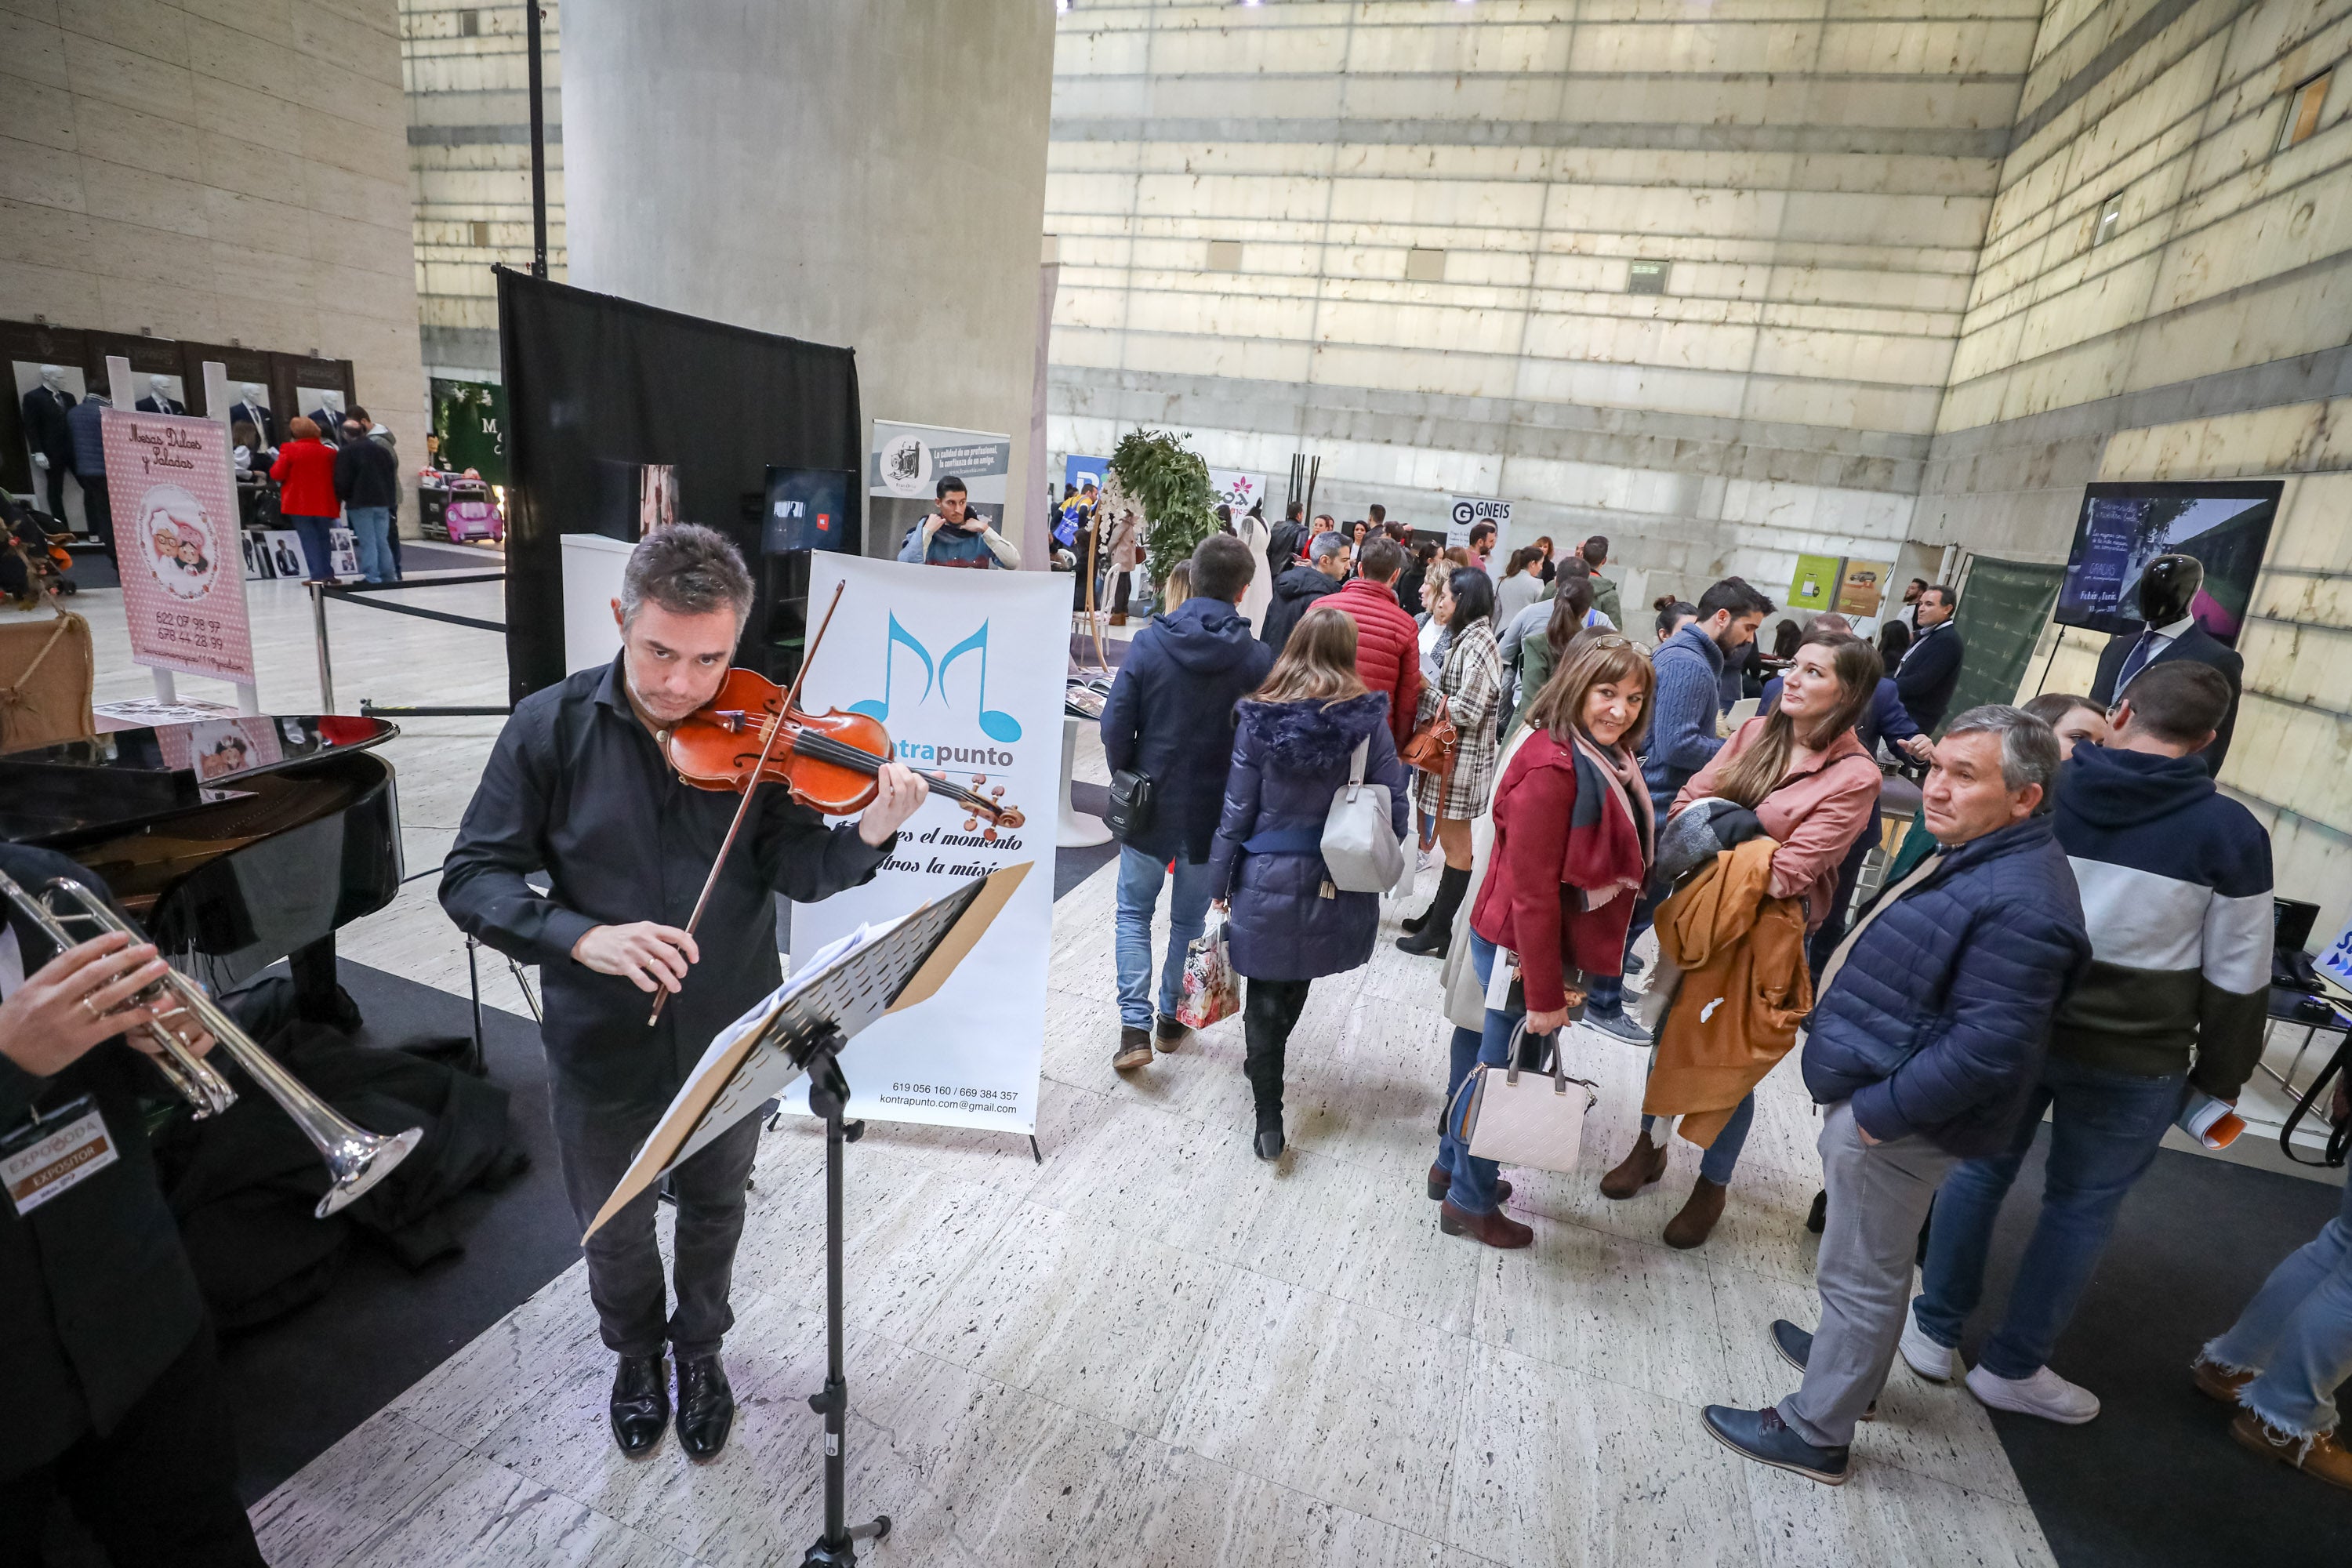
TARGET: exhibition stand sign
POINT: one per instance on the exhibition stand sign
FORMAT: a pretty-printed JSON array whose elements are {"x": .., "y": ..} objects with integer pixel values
[
  {"x": 906, "y": 466},
  {"x": 965, "y": 669},
  {"x": 1815, "y": 585},
  {"x": 1464, "y": 513},
  {"x": 175, "y": 535}
]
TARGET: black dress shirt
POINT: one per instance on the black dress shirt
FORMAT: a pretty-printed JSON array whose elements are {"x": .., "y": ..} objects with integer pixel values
[
  {"x": 576, "y": 788},
  {"x": 96, "y": 1295}
]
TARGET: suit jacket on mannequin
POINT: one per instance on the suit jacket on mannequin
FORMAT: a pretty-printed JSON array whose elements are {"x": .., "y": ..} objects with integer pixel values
[
  {"x": 149, "y": 405},
  {"x": 45, "y": 424},
  {"x": 2197, "y": 644},
  {"x": 330, "y": 423},
  {"x": 260, "y": 418}
]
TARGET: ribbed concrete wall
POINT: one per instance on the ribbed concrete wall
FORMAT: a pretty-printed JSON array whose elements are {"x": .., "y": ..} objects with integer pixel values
[
  {"x": 2223, "y": 287},
  {"x": 1818, "y": 174},
  {"x": 467, "y": 74}
]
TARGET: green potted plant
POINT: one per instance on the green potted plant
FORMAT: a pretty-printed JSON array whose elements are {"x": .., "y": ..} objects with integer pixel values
[{"x": 1170, "y": 483}]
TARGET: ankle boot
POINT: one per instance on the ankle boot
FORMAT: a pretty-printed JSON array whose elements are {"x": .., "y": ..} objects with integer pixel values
[
  {"x": 1696, "y": 1221},
  {"x": 1436, "y": 933},
  {"x": 1637, "y": 1170},
  {"x": 1495, "y": 1229}
]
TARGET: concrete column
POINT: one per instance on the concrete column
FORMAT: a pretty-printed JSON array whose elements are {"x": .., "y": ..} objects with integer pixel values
[{"x": 864, "y": 173}]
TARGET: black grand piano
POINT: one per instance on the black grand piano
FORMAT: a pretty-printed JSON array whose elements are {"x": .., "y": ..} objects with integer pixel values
[{"x": 235, "y": 842}]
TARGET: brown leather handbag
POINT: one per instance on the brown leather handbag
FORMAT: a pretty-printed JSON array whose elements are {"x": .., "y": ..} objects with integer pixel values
[{"x": 1432, "y": 744}]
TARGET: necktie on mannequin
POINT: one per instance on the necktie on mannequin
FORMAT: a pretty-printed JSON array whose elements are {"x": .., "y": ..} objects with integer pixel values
[{"x": 2137, "y": 661}]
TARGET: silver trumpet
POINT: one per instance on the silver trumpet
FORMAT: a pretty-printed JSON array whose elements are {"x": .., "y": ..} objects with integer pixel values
[{"x": 357, "y": 1158}]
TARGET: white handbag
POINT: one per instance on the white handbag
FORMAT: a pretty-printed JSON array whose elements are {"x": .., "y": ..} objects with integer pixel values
[
  {"x": 1360, "y": 850},
  {"x": 1527, "y": 1118}
]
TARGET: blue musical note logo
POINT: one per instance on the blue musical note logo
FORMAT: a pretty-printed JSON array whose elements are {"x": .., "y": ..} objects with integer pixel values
[
  {"x": 995, "y": 722},
  {"x": 879, "y": 710}
]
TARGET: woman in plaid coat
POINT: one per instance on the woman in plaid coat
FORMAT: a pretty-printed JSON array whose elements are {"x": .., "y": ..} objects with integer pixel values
[{"x": 1471, "y": 681}]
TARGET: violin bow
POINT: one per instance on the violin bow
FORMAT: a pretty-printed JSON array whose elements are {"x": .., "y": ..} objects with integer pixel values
[{"x": 752, "y": 782}]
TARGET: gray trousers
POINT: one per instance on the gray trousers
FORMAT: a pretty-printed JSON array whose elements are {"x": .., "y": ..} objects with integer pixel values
[
  {"x": 1879, "y": 1195},
  {"x": 624, "y": 1266}
]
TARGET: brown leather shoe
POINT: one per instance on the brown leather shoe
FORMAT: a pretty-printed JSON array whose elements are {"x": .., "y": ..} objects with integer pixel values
[
  {"x": 1134, "y": 1049},
  {"x": 1637, "y": 1170},
  {"x": 1495, "y": 1229},
  {"x": 2324, "y": 1457},
  {"x": 1441, "y": 1180},
  {"x": 2217, "y": 1383},
  {"x": 1700, "y": 1210}
]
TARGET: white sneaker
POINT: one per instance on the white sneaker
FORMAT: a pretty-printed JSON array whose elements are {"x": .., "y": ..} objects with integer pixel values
[
  {"x": 1937, "y": 1363},
  {"x": 2045, "y": 1395}
]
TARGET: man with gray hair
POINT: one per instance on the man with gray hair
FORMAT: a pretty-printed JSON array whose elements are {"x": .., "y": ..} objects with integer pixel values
[
  {"x": 1928, "y": 1036},
  {"x": 1303, "y": 583},
  {"x": 580, "y": 791}
]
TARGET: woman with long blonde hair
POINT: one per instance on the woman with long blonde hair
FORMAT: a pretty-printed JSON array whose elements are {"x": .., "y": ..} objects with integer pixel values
[
  {"x": 1811, "y": 784},
  {"x": 1287, "y": 924}
]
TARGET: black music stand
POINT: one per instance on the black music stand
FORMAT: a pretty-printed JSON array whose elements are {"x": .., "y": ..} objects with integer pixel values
[{"x": 802, "y": 1029}]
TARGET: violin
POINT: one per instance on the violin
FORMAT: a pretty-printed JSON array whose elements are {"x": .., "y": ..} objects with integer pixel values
[
  {"x": 754, "y": 732},
  {"x": 828, "y": 761}
]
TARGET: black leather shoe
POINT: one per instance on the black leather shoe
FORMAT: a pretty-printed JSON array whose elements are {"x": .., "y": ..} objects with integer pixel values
[
  {"x": 640, "y": 1403},
  {"x": 706, "y": 1407},
  {"x": 1268, "y": 1142}
]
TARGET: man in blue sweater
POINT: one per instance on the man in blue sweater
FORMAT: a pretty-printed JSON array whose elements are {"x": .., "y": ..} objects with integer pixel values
[
  {"x": 1924, "y": 1048},
  {"x": 2176, "y": 885}
]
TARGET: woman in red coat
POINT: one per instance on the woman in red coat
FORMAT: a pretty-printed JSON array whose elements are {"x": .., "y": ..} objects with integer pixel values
[
  {"x": 1573, "y": 843},
  {"x": 305, "y": 472}
]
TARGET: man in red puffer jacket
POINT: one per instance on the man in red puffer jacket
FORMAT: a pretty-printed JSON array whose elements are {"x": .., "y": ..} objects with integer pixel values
[{"x": 1388, "y": 641}]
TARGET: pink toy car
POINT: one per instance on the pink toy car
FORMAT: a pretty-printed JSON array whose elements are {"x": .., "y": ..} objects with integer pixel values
[{"x": 472, "y": 513}]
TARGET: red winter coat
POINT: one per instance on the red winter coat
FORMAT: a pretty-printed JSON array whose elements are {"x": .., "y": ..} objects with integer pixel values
[
  {"x": 1388, "y": 648},
  {"x": 305, "y": 472}
]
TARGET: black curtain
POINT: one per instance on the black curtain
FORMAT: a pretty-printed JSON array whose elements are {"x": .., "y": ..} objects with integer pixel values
[{"x": 590, "y": 380}]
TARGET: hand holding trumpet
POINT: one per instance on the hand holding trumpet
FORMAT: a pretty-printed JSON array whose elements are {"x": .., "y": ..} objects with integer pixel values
[{"x": 82, "y": 998}]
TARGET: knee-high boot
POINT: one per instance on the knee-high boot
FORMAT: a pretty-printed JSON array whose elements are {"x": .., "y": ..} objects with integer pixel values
[{"x": 1436, "y": 933}]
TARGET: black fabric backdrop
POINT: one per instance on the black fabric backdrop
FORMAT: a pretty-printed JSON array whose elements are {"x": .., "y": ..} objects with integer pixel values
[{"x": 590, "y": 377}]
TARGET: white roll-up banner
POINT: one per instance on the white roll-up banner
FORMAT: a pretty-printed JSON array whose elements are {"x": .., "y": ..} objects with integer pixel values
[{"x": 965, "y": 669}]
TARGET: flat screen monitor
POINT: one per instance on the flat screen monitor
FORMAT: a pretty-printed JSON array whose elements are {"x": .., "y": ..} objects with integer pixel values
[
  {"x": 2225, "y": 524},
  {"x": 807, "y": 509}
]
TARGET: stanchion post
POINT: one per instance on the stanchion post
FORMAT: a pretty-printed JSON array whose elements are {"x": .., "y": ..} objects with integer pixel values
[{"x": 326, "y": 663}]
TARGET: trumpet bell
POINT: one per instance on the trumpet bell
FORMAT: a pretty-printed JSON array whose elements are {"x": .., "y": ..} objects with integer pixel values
[{"x": 361, "y": 1160}]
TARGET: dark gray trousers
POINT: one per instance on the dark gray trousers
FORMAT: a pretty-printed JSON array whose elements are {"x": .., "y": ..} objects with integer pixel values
[{"x": 624, "y": 1266}]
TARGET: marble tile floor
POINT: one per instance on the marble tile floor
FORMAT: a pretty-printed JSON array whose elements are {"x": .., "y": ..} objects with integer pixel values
[{"x": 1153, "y": 1349}]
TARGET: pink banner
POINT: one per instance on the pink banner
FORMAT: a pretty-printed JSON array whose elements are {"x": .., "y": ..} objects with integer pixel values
[{"x": 175, "y": 537}]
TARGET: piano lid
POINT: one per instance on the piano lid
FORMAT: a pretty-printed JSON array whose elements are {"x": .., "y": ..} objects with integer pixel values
[{"x": 70, "y": 792}]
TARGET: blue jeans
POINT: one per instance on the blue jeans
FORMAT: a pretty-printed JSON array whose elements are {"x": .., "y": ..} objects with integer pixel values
[
  {"x": 1472, "y": 1191},
  {"x": 1140, "y": 876},
  {"x": 372, "y": 532},
  {"x": 1720, "y": 1158},
  {"x": 318, "y": 547},
  {"x": 2297, "y": 1333},
  {"x": 2104, "y": 1128}
]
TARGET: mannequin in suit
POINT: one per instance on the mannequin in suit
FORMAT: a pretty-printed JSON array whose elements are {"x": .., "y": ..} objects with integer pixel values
[
  {"x": 255, "y": 410},
  {"x": 2168, "y": 598},
  {"x": 46, "y": 434},
  {"x": 159, "y": 398},
  {"x": 328, "y": 417}
]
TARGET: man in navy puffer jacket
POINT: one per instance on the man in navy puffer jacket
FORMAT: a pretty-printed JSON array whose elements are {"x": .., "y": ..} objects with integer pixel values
[
  {"x": 1170, "y": 717},
  {"x": 1928, "y": 1034}
]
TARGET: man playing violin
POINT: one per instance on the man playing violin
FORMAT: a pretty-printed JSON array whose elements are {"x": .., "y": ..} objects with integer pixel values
[{"x": 580, "y": 794}]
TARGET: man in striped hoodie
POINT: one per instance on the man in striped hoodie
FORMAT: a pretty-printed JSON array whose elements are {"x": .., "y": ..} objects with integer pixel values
[{"x": 2176, "y": 885}]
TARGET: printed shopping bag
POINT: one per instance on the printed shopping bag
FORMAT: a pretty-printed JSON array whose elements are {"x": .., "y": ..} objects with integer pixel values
[{"x": 1211, "y": 990}]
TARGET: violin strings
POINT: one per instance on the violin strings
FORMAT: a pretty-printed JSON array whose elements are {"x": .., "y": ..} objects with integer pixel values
[{"x": 825, "y": 749}]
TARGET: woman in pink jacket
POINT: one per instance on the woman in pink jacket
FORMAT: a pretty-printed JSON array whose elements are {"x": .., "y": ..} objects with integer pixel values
[{"x": 1810, "y": 783}]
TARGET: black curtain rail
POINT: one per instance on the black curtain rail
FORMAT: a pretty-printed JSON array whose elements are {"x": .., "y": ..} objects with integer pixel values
[
  {"x": 407, "y": 585},
  {"x": 345, "y": 595}
]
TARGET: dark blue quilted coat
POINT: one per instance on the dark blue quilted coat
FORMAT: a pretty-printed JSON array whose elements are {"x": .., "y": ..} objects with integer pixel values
[
  {"x": 1940, "y": 1020},
  {"x": 1288, "y": 760}
]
